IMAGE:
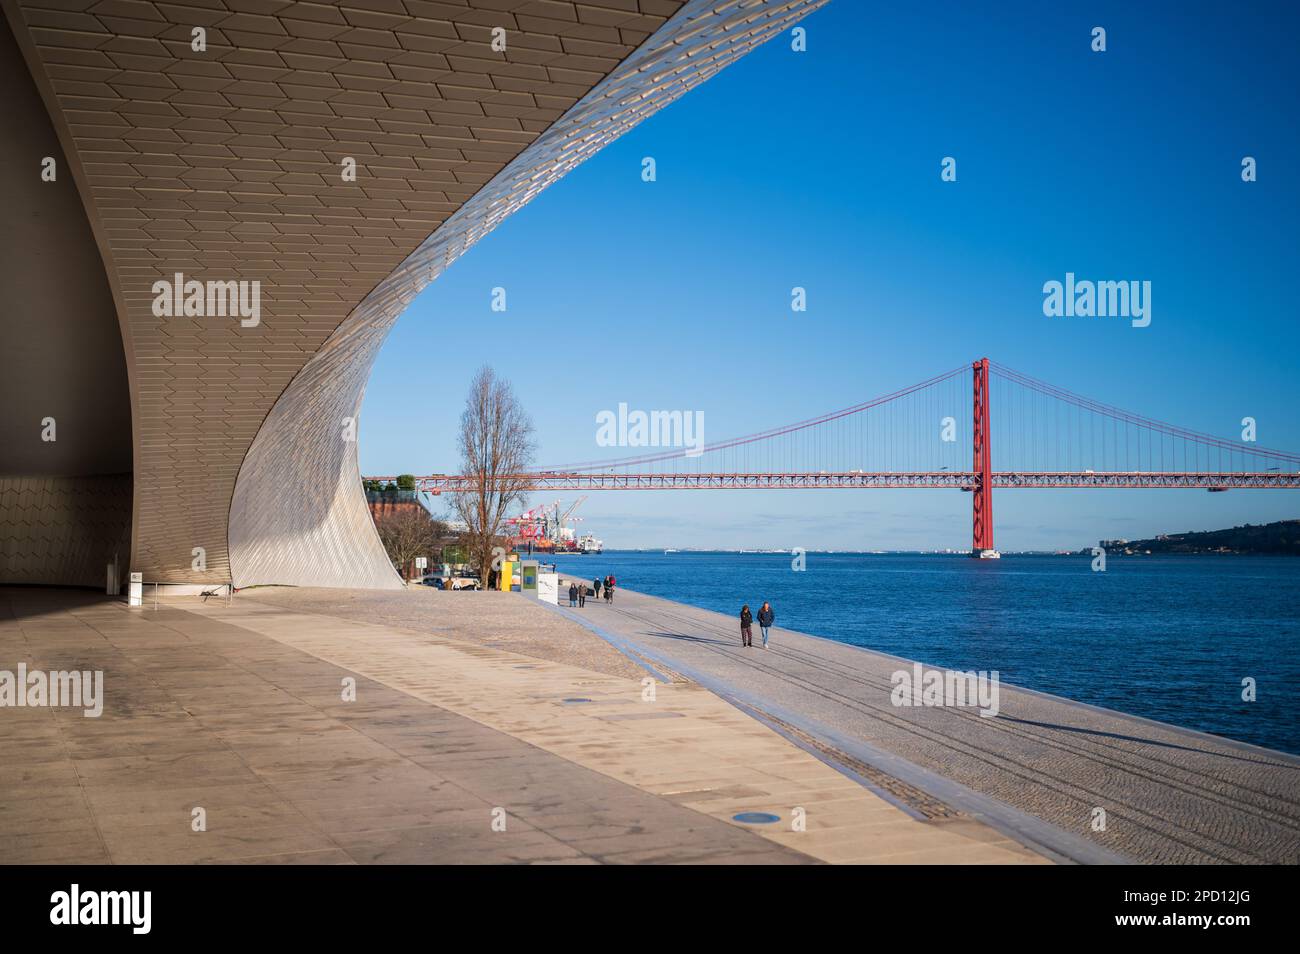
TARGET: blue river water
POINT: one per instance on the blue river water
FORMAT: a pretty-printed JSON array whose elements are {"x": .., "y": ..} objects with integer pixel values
[{"x": 1166, "y": 637}]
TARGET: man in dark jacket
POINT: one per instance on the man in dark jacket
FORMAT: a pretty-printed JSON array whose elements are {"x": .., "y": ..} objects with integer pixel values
[
  {"x": 573, "y": 595},
  {"x": 746, "y": 624},
  {"x": 765, "y": 620}
]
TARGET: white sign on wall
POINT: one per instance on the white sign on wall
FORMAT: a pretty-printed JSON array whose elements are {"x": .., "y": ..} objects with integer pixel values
[
  {"x": 421, "y": 563},
  {"x": 548, "y": 588}
]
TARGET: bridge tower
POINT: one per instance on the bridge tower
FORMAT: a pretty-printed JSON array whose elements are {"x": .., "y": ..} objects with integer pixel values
[{"x": 982, "y": 503}]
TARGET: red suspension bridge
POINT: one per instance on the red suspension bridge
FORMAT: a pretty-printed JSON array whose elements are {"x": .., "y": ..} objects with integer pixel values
[{"x": 912, "y": 438}]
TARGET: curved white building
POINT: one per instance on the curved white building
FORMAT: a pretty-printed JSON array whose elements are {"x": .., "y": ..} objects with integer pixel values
[{"x": 325, "y": 161}]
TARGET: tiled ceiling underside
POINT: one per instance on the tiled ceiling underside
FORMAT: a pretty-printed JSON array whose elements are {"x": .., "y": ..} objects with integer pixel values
[{"x": 226, "y": 165}]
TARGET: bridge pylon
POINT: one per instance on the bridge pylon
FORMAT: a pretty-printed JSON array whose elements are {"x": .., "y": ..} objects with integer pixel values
[{"x": 982, "y": 497}]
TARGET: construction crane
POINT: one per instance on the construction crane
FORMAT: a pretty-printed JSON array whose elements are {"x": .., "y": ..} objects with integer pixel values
[
  {"x": 545, "y": 525},
  {"x": 531, "y": 523},
  {"x": 564, "y": 537},
  {"x": 568, "y": 513}
]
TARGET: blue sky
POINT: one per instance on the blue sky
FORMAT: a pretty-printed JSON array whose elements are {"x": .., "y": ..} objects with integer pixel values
[{"x": 821, "y": 169}]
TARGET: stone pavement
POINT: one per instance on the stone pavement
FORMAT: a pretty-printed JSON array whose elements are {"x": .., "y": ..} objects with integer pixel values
[
  {"x": 1038, "y": 770},
  {"x": 510, "y": 624},
  {"x": 238, "y": 711}
]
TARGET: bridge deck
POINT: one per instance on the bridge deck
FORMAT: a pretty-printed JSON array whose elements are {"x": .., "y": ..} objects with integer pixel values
[
  {"x": 943, "y": 480},
  {"x": 1170, "y": 794}
]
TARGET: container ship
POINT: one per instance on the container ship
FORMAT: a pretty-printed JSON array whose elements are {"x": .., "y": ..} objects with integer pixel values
[{"x": 546, "y": 529}]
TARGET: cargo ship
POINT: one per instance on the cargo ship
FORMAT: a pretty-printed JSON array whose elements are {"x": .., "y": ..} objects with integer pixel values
[{"x": 544, "y": 529}]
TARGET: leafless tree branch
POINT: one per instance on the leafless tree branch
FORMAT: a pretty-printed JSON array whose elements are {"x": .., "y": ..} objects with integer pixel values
[
  {"x": 410, "y": 532},
  {"x": 496, "y": 447}
]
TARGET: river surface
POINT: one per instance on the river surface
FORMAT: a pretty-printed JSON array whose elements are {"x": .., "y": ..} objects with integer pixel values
[{"x": 1166, "y": 637}]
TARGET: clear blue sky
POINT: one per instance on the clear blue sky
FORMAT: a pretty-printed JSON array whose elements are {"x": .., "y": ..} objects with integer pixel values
[{"x": 821, "y": 169}]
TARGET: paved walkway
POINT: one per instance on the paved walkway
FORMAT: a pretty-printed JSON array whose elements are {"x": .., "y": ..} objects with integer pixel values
[
  {"x": 1039, "y": 769},
  {"x": 238, "y": 711}
]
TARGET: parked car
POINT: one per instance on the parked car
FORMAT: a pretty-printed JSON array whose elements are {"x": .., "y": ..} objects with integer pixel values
[{"x": 459, "y": 583}]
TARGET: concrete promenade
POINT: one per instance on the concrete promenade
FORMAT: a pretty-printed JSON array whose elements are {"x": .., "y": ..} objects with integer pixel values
[
  {"x": 1039, "y": 769},
  {"x": 239, "y": 711}
]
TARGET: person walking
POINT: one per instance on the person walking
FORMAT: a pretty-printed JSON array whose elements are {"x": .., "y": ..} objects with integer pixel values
[
  {"x": 595, "y": 587},
  {"x": 609, "y": 589},
  {"x": 573, "y": 595},
  {"x": 582, "y": 594},
  {"x": 746, "y": 626},
  {"x": 766, "y": 617}
]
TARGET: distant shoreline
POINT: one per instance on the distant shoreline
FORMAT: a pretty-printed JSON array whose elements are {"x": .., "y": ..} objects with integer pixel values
[{"x": 1281, "y": 538}]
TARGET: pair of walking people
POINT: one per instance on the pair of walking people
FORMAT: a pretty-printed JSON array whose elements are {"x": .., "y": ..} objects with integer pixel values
[
  {"x": 606, "y": 585},
  {"x": 766, "y": 617}
]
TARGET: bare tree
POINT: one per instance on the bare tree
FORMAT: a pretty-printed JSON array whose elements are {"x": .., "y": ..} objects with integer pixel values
[
  {"x": 496, "y": 448},
  {"x": 410, "y": 532}
]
